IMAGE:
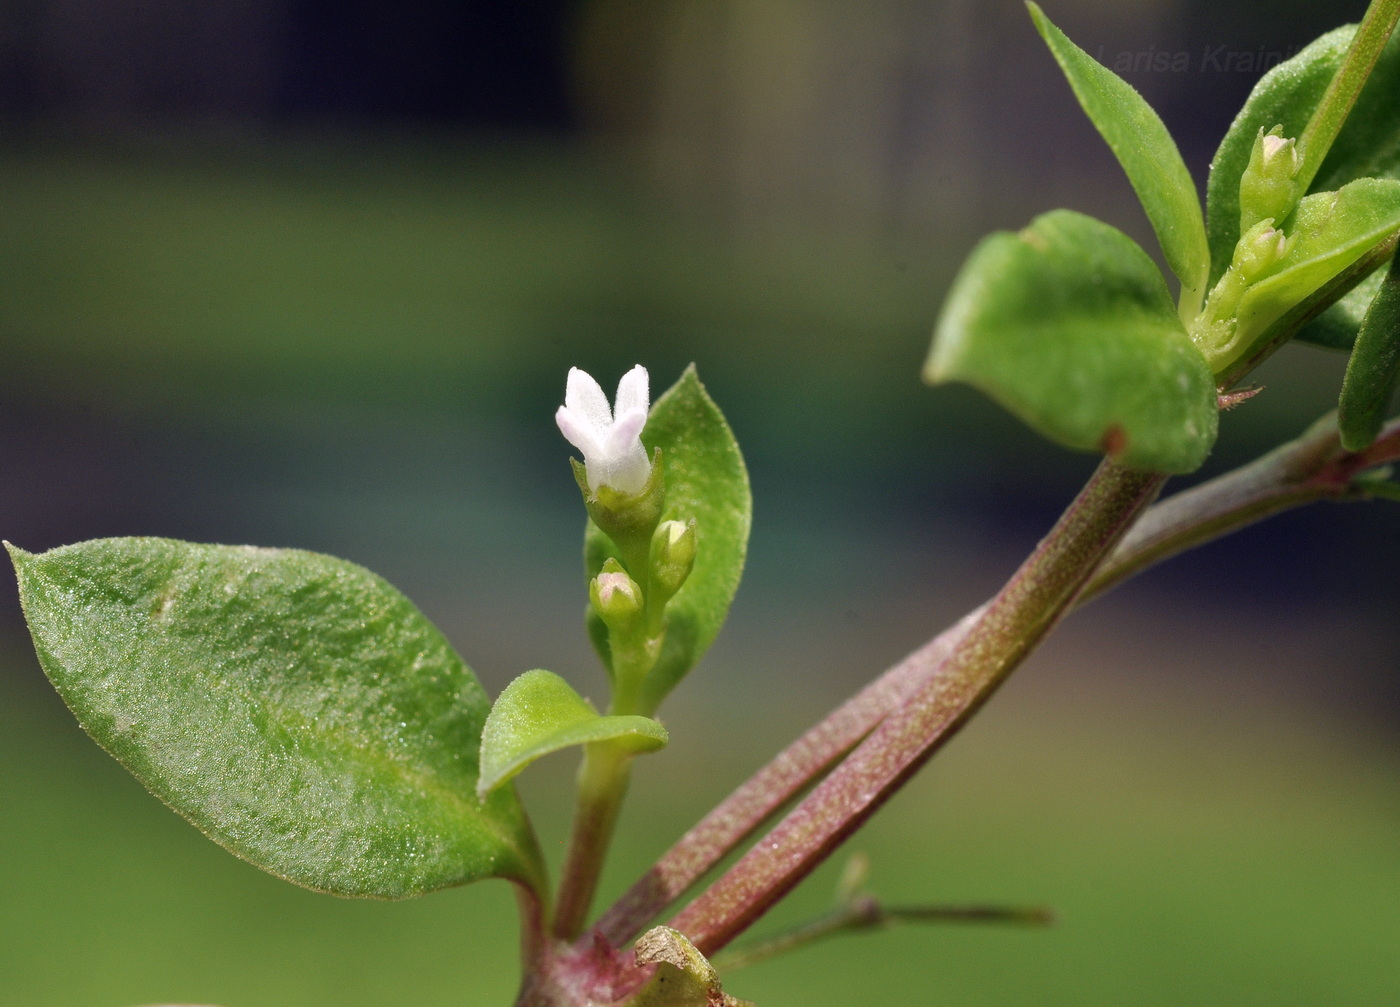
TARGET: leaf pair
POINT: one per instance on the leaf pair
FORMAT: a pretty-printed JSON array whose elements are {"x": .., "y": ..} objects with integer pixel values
[{"x": 1070, "y": 325}]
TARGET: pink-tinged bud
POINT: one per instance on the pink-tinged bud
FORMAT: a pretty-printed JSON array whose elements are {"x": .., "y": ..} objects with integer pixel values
[
  {"x": 1267, "y": 187},
  {"x": 616, "y": 597}
]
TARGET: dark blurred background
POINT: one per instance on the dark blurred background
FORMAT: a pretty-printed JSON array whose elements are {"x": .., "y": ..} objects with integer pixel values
[{"x": 311, "y": 274}]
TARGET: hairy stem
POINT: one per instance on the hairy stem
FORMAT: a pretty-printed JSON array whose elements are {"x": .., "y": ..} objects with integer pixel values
[
  {"x": 1013, "y": 623},
  {"x": 602, "y": 784},
  {"x": 1332, "y": 111},
  {"x": 1308, "y": 469},
  {"x": 770, "y": 788}
]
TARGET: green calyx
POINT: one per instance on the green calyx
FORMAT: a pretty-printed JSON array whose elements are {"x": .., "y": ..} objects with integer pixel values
[
  {"x": 671, "y": 559},
  {"x": 627, "y": 518},
  {"x": 1269, "y": 185}
]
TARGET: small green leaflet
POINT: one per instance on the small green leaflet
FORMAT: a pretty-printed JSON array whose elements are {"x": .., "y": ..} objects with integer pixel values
[
  {"x": 1069, "y": 325},
  {"x": 1373, "y": 368},
  {"x": 705, "y": 480},
  {"x": 1147, "y": 152},
  {"x": 294, "y": 707},
  {"x": 539, "y": 713},
  {"x": 1331, "y": 231}
]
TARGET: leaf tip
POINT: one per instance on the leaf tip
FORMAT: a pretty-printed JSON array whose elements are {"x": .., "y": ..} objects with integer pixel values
[{"x": 17, "y": 555}]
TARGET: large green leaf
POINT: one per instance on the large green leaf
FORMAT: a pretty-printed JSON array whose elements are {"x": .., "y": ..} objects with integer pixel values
[
  {"x": 1330, "y": 231},
  {"x": 1069, "y": 325},
  {"x": 1147, "y": 152},
  {"x": 294, "y": 707},
  {"x": 1373, "y": 368},
  {"x": 1286, "y": 96},
  {"x": 539, "y": 713},
  {"x": 705, "y": 480}
]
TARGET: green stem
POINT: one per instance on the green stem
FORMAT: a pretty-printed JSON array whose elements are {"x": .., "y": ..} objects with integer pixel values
[
  {"x": 1336, "y": 104},
  {"x": 602, "y": 784},
  {"x": 1013, "y": 623}
]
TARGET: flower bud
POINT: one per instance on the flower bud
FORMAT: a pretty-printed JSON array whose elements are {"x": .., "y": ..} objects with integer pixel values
[
  {"x": 616, "y": 597},
  {"x": 1259, "y": 250},
  {"x": 1268, "y": 187},
  {"x": 672, "y": 555}
]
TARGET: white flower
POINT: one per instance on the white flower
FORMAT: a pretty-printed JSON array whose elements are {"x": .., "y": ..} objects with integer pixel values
[{"x": 610, "y": 439}]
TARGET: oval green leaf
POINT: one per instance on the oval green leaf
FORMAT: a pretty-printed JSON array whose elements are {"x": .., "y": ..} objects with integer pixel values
[
  {"x": 1373, "y": 368},
  {"x": 294, "y": 707},
  {"x": 1147, "y": 152},
  {"x": 1069, "y": 326},
  {"x": 1331, "y": 230},
  {"x": 539, "y": 713},
  {"x": 705, "y": 480},
  {"x": 1287, "y": 96}
]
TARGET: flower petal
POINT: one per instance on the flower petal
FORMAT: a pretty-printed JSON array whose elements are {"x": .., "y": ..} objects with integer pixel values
[
  {"x": 581, "y": 434},
  {"x": 585, "y": 397},
  {"x": 632, "y": 392},
  {"x": 626, "y": 430}
]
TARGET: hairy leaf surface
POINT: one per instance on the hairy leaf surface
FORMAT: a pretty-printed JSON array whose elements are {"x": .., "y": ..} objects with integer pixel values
[
  {"x": 1373, "y": 368},
  {"x": 1069, "y": 325},
  {"x": 1147, "y": 152},
  {"x": 539, "y": 713},
  {"x": 296, "y": 708}
]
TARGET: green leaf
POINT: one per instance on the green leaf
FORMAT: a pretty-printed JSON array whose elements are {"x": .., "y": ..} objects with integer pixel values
[
  {"x": 1369, "y": 144},
  {"x": 540, "y": 713},
  {"x": 705, "y": 480},
  {"x": 1147, "y": 152},
  {"x": 1286, "y": 96},
  {"x": 1330, "y": 231},
  {"x": 1069, "y": 325},
  {"x": 294, "y": 707},
  {"x": 1336, "y": 328},
  {"x": 1373, "y": 368}
]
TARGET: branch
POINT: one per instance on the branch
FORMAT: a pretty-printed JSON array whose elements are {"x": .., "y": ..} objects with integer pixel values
[
  {"x": 1308, "y": 469},
  {"x": 1015, "y": 621}
]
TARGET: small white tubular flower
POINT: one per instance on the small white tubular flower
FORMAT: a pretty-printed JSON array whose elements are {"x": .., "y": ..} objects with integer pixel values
[{"x": 610, "y": 439}]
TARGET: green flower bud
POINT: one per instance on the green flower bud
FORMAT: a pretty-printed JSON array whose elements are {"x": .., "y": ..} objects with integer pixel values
[
  {"x": 672, "y": 556},
  {"x": 617, "y": 598},
  {"x": 1262, "y": 246},
  {"x": 1268, "y": 187}
]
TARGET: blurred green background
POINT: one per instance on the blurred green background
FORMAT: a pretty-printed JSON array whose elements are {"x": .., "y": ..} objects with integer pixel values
[{"x": 307, "y": 274}]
